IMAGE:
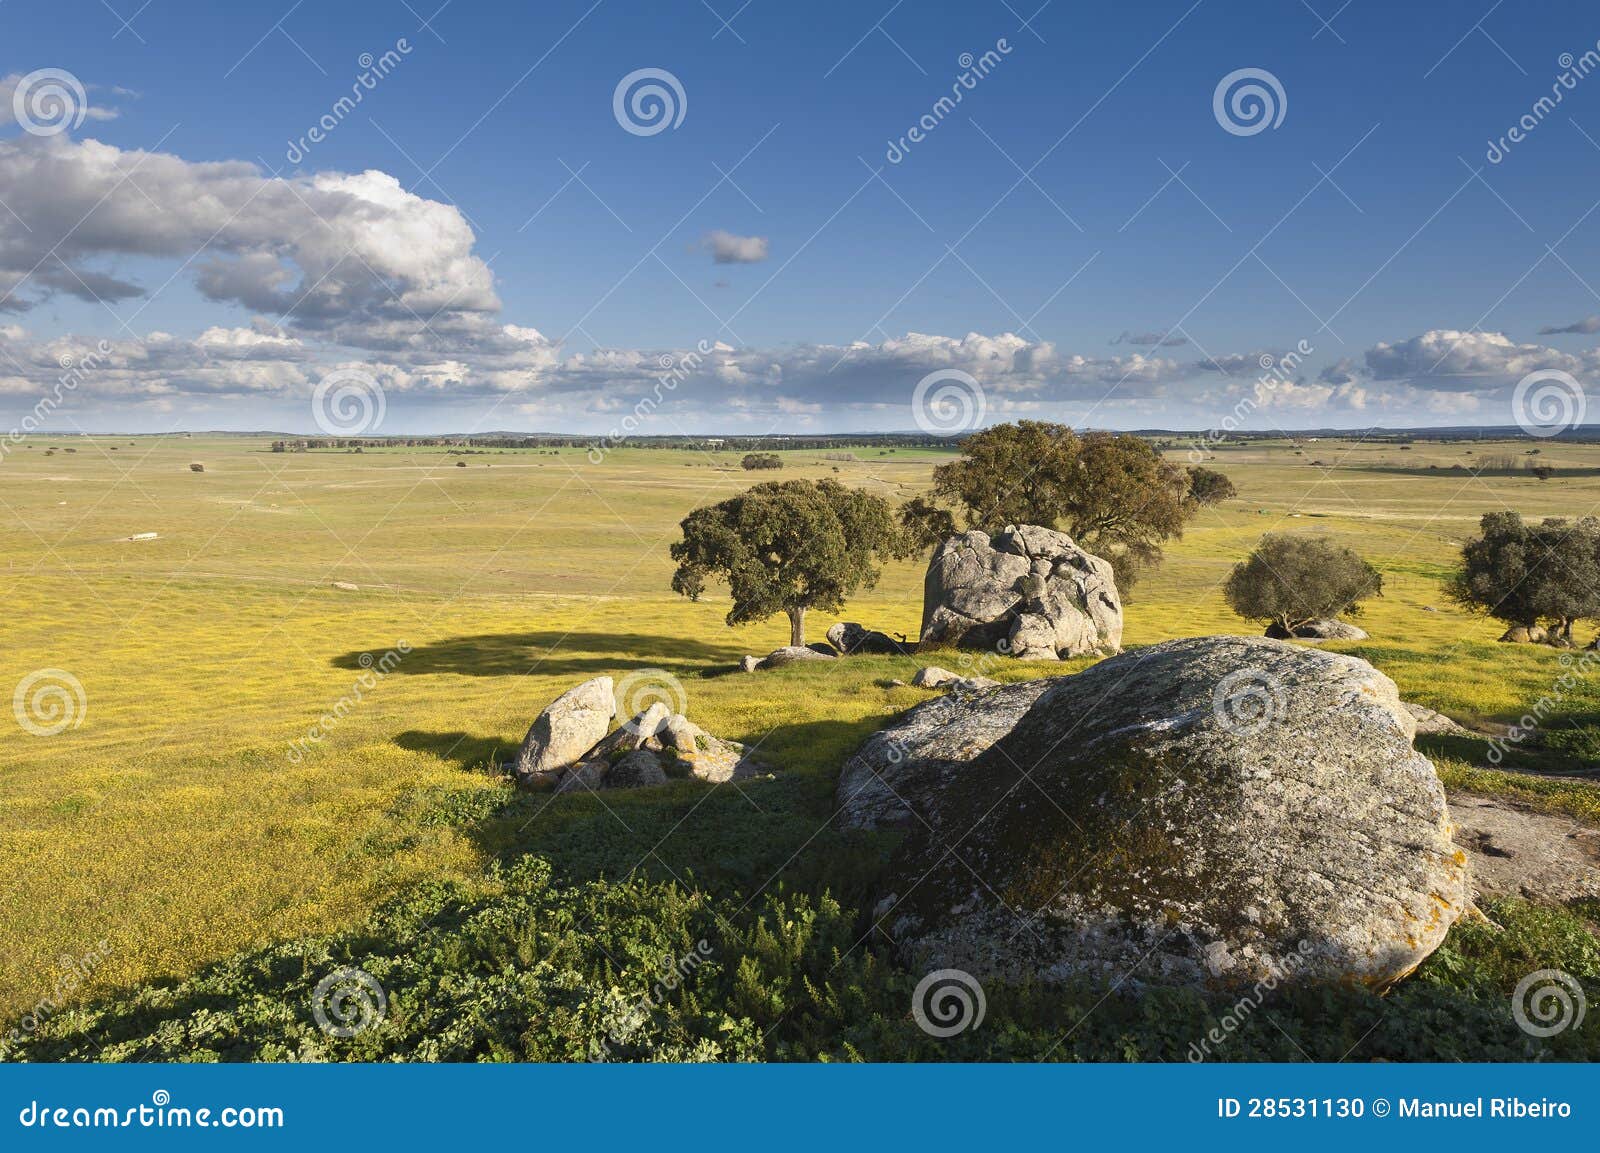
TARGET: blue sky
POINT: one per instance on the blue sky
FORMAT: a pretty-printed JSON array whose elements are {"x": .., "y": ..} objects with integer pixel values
[{"x": 524, "y": 261}]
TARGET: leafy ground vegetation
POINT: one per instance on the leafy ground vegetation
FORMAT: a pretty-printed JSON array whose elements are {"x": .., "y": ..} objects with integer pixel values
[{"x": 218, "y": 847}]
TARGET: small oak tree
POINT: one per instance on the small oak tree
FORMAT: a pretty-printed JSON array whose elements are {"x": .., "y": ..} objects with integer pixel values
[
  {"x": 1292, "y": 579},
  {"x": 1523, "y": 573},
  {"x": 787, "y": 546},
  {"x": 1207, "y": 486}
]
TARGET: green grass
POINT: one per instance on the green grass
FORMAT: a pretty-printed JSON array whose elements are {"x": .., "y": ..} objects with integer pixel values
[{"x": 173, "y": 827}]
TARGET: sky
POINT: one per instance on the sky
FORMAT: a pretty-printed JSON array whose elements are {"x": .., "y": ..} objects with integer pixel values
[{"x": 622, "y": 218}]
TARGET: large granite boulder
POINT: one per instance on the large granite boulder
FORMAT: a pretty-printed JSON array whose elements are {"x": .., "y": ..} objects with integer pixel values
[
  {"x": 1217, "y": 810},
  {"x": 1028, "y": 591},
  {"x": 566, "y": 730}
]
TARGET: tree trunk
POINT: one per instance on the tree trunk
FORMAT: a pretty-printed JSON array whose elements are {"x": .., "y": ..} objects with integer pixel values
[{"x": 797, "y": 627}]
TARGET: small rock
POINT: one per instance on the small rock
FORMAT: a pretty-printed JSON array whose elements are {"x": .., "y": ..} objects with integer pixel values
[
  {"x": 586, "y": 776},
  {"x": 346, "y": 586},
  {"x": 933, "y": 677},
  {"x": 792, "y": 654},
  {"x": 1532, "y": 634},
  {"x": 142, "y": 535},
  {"x": 1318, "y": 630},
  {"x": 680, "y": 733},
  {"x": 1433, "y": 723},
  {"x": 634, "y": 733},
  {"x": 636, "y": 770},
  {"x": 749, "y": 664}
]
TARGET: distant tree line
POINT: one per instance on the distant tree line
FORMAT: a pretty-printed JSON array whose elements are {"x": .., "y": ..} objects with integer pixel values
[{"x": 682, "y": 443}]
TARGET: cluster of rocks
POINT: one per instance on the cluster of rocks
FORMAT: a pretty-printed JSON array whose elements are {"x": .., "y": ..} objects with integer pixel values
[
  {"x": 850, "y": 638},
  {"x": 1029, "y": 591},
  {"x": 571, "y": 746},
  {"x": 847, "y": 638},
  {"x": 1317, "y": 630},
  {"x": 1218, "y": 810},
  {"x": 1538, "y": 635}
]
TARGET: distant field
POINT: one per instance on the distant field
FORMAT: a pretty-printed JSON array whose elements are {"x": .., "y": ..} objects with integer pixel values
[{"x": 173, "y": 825}]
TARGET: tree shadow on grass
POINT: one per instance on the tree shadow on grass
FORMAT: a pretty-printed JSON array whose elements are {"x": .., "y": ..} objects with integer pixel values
[
  {"x": 467, "y": 751},
  {"x": 550, "y": 652}
]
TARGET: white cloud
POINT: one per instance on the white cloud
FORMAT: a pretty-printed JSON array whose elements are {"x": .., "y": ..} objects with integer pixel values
[
  {"x": 1467, "y": 361},
  {"x": 729, "y": 248},
  {"x": 333, "y": 253},
  {"x": 91, "y": 110}
]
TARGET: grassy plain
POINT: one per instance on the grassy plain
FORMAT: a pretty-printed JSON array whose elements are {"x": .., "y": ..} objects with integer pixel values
[{"x": 172, "y": 828}]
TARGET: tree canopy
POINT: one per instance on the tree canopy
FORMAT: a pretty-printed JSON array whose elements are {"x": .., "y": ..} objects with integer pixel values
[
  {"x": 1115, "y": 495},
  {"x": 1525, "y": 573},
  {"x": 1207, "y": 486},
  {"x": 787, "y": 546},
  {"x": 1292, "y": 579}
]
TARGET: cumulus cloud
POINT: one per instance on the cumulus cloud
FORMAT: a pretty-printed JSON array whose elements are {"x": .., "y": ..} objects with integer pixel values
[
  {"x": 730, "y": 248},
  {"x": 1589, "y": 324},
  {"x": 333, "y": 253},
  {"x": 1468, "y": 361}
]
